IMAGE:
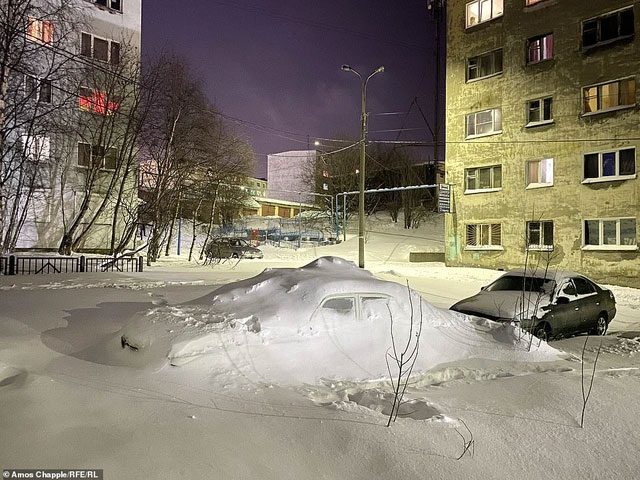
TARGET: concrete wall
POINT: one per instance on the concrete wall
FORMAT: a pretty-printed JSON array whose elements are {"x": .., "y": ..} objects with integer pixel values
[{"x": 569, "y": 201}]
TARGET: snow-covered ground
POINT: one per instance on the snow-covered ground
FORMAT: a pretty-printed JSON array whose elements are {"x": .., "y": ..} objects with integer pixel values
[{"x": 71, "y": 396}]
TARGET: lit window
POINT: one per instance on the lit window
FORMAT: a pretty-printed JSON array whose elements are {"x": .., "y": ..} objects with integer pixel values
[
  {"x": 540, "y": 48},
  {"x": 480, "y": 11},
  {"x": 96, "y": 155},
  {"x": 608, "y": 166},
  {"x": 608, "y": 28},
  {"x": 97, "y": 102},
  {"x": 99, "y": 48},
  {"x": 484, "y": 65},
  {"x": 610, "y": 233},
  {"x": 36, "y": 148},
  {"x": 484, "y": 236},
  {"x": 486, "y": 122},
  {"x": 539, "y": 111},
  {"x": 40, "y": 30},
  {"x": 540, "y": 173},
  {"x": 483, "y": 178},
  {"x": 540, "y": 235},
  {"x": 609, "y": 96}
]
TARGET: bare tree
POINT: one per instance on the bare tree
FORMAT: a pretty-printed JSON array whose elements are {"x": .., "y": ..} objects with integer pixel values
[{"x": 34, "y": 62}]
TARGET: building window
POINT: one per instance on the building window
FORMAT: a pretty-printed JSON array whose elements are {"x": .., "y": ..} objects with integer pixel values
[
  {"x": 480, "y": 11},
  {"x": 96, "y": 155},
  {"x": 112, "y": 4},
  {"x": 539, "y": 111},
  {"x": 532, "y": 2},
  {"x": 609, "y": 96},
  {"x": 484, "y": 236},
  {"x": 484, "y": 65},
  {"x": 610, "y": 233},
  {"x": 38, "y": 88},
  {"x": 268, "y": 210},
  {"x": 540, "y": 48},
  {"x": 37, "y": 148},
  {"x": 608, "y": 28},
  {"x": 483, "y": 179},
  {"x": 100, "y": 49},
  {"x": 487, "y": 122},
  {"x": 97, "y": 102},
  {"x": 40, "y": 30},
  {"x": 540, "y": 235},
  {"x": 609, "y": 166},
  {"x": 540, "y": 173}
]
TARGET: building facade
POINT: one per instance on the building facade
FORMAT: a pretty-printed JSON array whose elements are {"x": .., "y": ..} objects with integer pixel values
[
  {"x": 78, "y": 147},
  {"x": 542, "y": 130},
  {"x": 290, "y": 175}
]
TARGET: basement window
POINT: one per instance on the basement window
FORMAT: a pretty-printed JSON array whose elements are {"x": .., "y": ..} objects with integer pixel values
[{"x": 606, "y": 29}]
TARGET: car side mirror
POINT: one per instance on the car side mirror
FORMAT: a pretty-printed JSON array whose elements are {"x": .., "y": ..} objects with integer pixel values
[
  {"x": 562, "y": 301},
  {"x": 482, "y": 289}
]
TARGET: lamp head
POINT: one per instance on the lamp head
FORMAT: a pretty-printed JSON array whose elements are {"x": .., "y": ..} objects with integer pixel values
[
  {"x": 346, "y": 68},
  {"x": 380, "y": 69}
]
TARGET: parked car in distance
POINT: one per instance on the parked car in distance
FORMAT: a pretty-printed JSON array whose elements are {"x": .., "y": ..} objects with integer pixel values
[
  {"x": 551, "y": 304},
  {"x": 231, "y": 248}
]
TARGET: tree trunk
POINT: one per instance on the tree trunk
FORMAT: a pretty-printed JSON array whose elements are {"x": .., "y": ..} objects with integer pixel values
[{"x": 195, "y": 224}]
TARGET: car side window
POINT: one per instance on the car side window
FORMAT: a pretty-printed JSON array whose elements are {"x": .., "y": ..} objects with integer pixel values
[
  {"x": 568, "y": 289},
  {"x": 583, "y": 287},
  {"x": 341, "y": 304},
  {"x": 374, "y": 307}
]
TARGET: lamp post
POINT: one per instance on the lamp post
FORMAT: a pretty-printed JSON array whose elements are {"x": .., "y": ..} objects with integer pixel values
[{"x": 363, "y": 139}]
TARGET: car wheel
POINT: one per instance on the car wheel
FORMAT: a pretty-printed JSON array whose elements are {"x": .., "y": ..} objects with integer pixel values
[
  {"x": 542, "y": 331},
  {"x": 234, "y": 255},
  {"x": 601, "y": 325}
]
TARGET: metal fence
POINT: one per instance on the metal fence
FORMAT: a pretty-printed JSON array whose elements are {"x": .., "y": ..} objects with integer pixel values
[{"x": 23, "y": 265}]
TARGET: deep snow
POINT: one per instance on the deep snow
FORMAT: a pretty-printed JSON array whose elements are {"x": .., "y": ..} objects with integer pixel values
[{"x": 70, "y": 396}]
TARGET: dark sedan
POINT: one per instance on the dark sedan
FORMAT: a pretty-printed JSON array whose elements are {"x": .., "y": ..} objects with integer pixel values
[
  {"x": 231, "y": 248},
  {"x": 550, "y": 304}
]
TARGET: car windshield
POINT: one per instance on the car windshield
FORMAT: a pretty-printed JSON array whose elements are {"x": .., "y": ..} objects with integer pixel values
[
  {"x": 238, "y": 242},
  {"x": 518, "y": 282}
]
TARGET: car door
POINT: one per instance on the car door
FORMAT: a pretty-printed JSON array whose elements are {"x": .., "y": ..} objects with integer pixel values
[
  {"x": 589, "y": 303},
  {"x": 564, "y": 313}
]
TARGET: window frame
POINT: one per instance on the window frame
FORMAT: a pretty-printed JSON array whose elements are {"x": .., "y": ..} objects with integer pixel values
[
  {"x": 110, "y": 5},
  {"x": 599, "y": 19},
  {"x": 543, "y": 245},
  {"x": 37, "y": 91},
  {"x": 492, "y": 55},
  {"x": 493, "y": 123},
  {"x": 602, "y": 246},
  {"x": 110, "y": 42},
  {"x": 40, "y": 30},
  {"x": 609, "y": 178},
  {"x": 91, "y": 157},
  {"x": 549, "y": 51},
  {"x": 479, "y": 3},
  {"x": 492, "y": 188},
  {"x": 529, "y": 123},
  {"x": 598, "y": 86},
  {"x": 531, "y": 185},
  {"x": 92, "y": 104},
  {"x": 478, "y": 227}
]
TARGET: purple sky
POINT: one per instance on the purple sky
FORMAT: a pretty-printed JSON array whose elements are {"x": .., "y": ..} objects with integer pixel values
[{"x": 277, "y": 64}]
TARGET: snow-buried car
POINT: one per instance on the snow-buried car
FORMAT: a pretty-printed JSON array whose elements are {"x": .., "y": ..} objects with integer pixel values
[{"x": 326, "y": 319}]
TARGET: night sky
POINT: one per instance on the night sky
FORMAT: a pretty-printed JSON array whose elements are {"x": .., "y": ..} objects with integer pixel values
[{"x": 277, "y": 64}]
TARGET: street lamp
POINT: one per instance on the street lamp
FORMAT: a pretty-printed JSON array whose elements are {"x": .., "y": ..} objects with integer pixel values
[{"x": 363, "y": 139}]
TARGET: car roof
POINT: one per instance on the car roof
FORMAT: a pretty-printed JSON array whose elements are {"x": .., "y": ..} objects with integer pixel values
[{"x": 551, "y": 273}]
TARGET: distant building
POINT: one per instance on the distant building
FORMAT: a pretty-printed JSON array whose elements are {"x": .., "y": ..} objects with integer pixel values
[
  {"x": 542, "y": 135},
  {"x": 289, "y": 173}
]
